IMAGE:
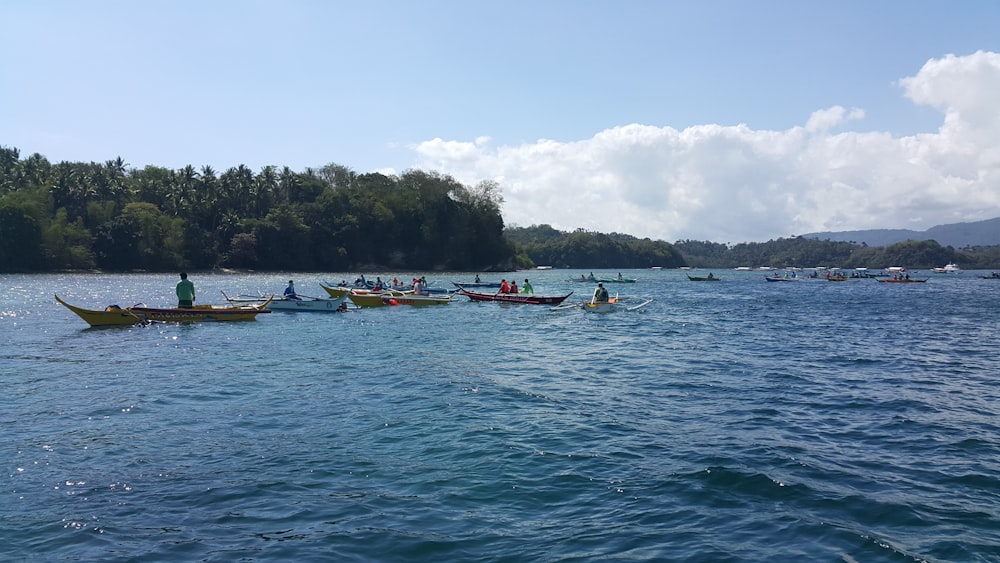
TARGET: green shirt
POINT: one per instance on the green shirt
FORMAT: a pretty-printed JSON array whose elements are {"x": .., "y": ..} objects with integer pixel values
[{"x": 185, "y": 290}]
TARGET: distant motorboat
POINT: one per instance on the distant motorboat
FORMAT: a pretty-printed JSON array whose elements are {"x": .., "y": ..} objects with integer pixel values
[{"x": 948, "y": 269}]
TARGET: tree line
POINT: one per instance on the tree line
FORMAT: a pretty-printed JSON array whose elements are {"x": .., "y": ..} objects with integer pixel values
[
  {"x": 542, "y": 244},
  {"x": 108, "y": 216},
  {"x": 809, "y": 253}
]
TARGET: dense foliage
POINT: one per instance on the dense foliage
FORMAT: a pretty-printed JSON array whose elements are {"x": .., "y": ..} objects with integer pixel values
[
  {"x": 808, "y": 253},
  {"x": 75, "y": 215},
  {"x": 542, "y": 244}
]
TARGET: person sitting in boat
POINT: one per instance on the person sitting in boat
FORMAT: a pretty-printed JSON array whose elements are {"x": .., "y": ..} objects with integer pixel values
[
  {"x": 526, "y": 287},
  {"x": 378, "y": 283},
  {"x": 619, "y": 275},
  {"x": 420, "y": 286},
  {"x": 290, "y": 291},
  {"x": 601, "y": 294},
  {"x": 504, "y": 288},
  {"x": 185, "y": 292},
  {"x": 477, "y": 278},
  {"x": 711, "y": 276},
  {"x": 513, "y": 286}
]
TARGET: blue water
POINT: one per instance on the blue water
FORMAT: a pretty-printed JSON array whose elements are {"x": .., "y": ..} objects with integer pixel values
[{"x": 731, "y": 421}]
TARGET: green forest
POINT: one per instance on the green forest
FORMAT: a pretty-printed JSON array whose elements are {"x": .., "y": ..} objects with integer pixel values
[
  {"x": 110, "y": 217},
  {"x": 83, "y": 216},
  {"x": 546, "y": 246}
]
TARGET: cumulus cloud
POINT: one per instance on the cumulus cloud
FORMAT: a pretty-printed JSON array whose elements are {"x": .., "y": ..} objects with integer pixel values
[{"x": 734, "y": 183}]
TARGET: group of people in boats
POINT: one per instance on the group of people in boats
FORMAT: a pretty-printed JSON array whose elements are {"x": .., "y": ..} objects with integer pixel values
[{"x": 512, "y": 286}]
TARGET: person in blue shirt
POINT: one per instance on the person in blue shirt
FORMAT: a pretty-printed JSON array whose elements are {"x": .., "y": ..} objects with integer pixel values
[{"x": 290, "y": 291}]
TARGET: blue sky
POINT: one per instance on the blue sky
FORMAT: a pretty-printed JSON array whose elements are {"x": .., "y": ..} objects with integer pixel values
[{"x": 711, "y": 120}]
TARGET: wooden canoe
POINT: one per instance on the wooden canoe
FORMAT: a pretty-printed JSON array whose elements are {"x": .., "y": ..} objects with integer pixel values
[
  {"x": 418, "y": 300},
  {"x": 126, "y": 316},
  {"x": 335, "y": 291},
  {"x": 527, "y": 298}
]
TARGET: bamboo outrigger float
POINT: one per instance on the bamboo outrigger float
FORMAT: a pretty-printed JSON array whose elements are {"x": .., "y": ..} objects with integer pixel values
[{"x": 125, "y": 316}]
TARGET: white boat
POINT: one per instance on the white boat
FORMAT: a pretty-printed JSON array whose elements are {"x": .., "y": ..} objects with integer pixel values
[
  {"x": 948, "y": 269},
  {"x": 283, "y": 304}
]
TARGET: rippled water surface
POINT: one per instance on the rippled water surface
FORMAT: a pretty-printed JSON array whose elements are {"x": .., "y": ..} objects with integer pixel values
[{"x": 731, "y": 421}]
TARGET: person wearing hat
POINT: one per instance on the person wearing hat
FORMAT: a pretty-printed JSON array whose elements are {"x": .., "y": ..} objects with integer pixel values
[{"x": 290, "y": 291}]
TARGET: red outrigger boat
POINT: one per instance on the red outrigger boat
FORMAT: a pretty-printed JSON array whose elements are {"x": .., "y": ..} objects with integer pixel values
[{"x": 529, "y": 298}]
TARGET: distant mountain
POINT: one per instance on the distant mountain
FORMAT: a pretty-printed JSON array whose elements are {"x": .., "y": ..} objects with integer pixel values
[{"x": 957, "y": 235}]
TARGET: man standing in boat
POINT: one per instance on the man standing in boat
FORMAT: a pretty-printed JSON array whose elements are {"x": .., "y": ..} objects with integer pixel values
[{"x": 185, "y": 292}]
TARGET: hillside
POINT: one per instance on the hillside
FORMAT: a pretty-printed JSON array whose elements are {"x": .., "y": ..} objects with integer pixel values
[{"x": 956, "y": 235}]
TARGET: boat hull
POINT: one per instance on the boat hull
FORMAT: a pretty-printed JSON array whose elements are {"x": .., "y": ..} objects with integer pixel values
[
  {"x": 529, "y": 299},
  {"x": 416, "y": 300},
  {"x": 366, "y": 298},
  {"x": 117, "y": 316},
  {"x": 304, "y": 304},
  {"x": 601, "y": 306},
  {"x": 336, "y": 291}
]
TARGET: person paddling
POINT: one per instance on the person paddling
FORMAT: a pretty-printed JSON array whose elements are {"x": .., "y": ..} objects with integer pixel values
[{"x": 290, "y": 291}]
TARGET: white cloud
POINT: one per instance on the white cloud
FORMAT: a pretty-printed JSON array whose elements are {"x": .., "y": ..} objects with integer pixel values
[{"x": 734, "y": 183}]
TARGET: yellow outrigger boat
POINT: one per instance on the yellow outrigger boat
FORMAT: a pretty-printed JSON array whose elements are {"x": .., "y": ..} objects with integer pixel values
[{"x": 137, "y": 314}]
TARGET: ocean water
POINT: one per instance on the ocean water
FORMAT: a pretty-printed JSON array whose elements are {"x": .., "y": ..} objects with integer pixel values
[{"x": 731, "y": 421}]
